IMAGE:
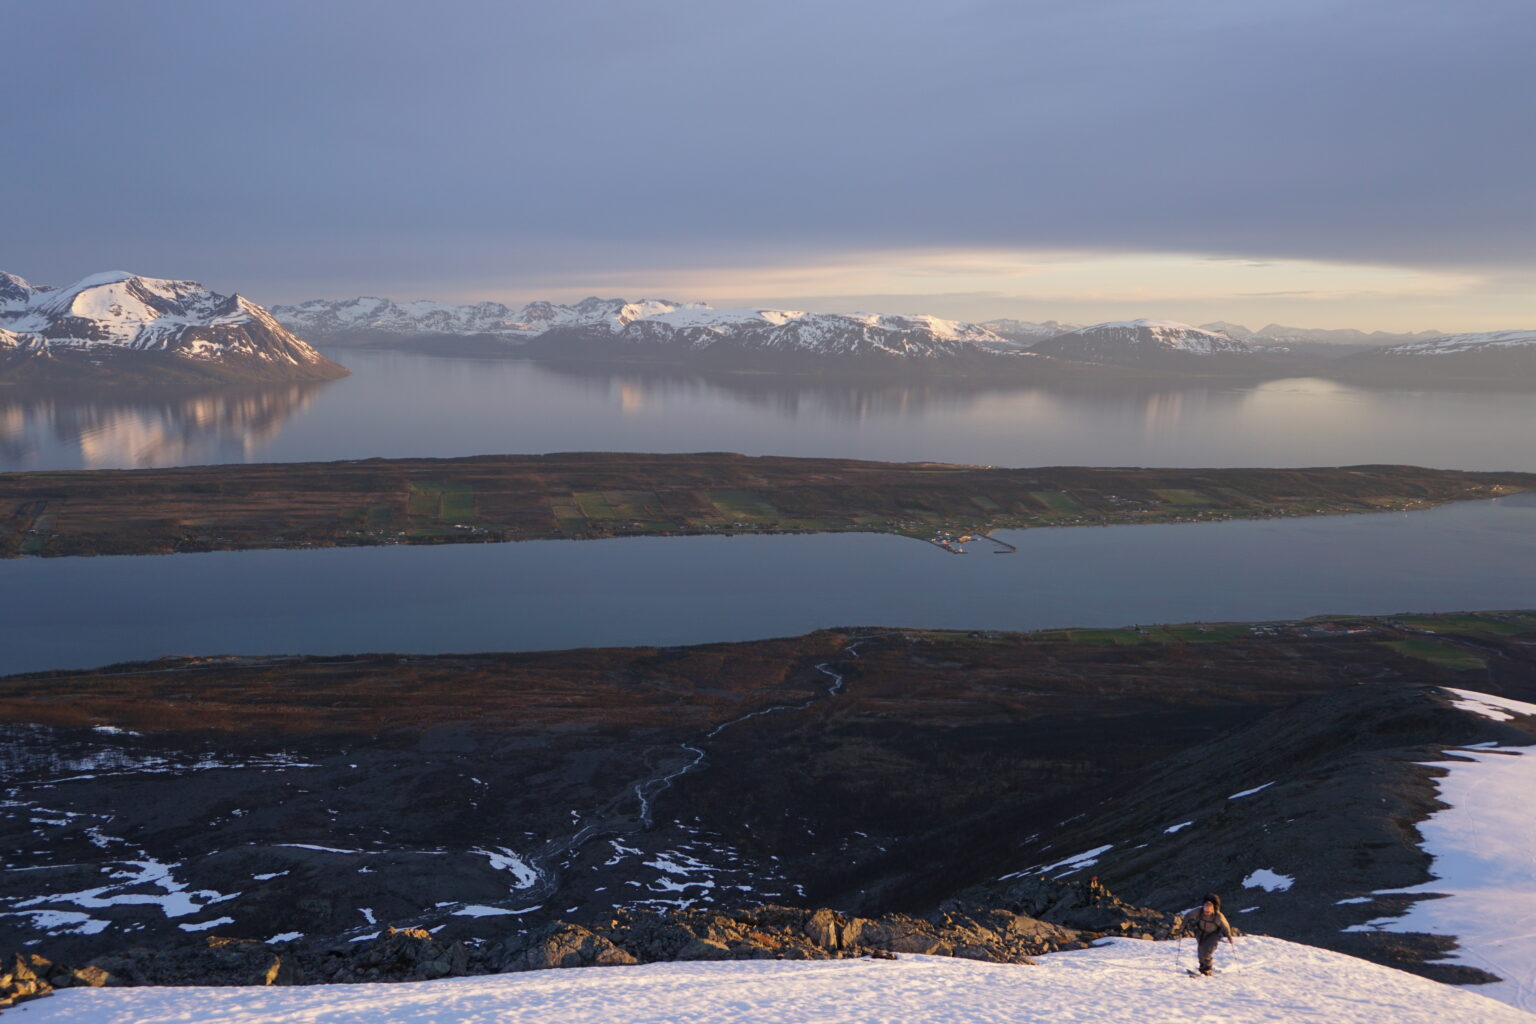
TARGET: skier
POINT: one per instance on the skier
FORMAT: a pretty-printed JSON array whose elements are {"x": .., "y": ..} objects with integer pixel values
[{"x": 1208, "y": 925}]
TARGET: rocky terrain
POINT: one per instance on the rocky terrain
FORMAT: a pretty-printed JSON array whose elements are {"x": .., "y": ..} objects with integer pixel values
[
  {"x": 560, "y": 807},
  {"x": 124, "y": 329}
]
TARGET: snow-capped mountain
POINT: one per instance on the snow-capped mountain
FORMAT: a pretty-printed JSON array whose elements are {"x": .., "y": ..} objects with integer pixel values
[
  {"x": 1460, "y": 344},
  {"x": 648, "y": 329},
  {"x": 1149, "y": 343},
  {"x": 119, "y": 325},
  {"x": 1494, "y": 356},
  {"x": 792, "y": 339},
  {"x": 1281, "y": 335},
  {"x": 1230, "y": 329},
  {"x": 1028, "y": 331},
  {"x": 367, "y": 317},
  {"x": 797, "y": 330}
]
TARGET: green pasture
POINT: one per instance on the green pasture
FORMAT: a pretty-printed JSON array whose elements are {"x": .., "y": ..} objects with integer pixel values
[
  {"x": 739, "y": 505},
  {"x": 1499, "y": 624},
  {"x": 1437, "y": 653},
  {"x": 1107, "y": 637},
  {"x": 1058, "y": 501},
  {"x": 1184, "y": 497},
  {"x": 448, "y": 501}
]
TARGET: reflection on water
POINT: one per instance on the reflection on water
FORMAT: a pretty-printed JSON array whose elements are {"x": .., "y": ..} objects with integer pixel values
[
  {"x": 638, "y": 389},
  {"x": 401, "y": 404},
  {"x": 114, "y": 432}
]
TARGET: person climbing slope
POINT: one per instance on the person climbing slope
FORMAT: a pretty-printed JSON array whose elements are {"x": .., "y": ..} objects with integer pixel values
[{"x": 1208, "y": 925}]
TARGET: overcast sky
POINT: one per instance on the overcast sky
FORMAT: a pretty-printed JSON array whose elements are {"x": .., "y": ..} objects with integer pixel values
[{"x": 1365, "y": 163}]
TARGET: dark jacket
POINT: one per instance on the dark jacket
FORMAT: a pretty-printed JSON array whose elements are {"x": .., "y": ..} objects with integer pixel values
[{"x": 1205, "y": 928}]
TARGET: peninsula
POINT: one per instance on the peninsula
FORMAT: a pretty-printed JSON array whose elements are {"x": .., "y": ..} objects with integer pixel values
[{"x": 580, "y": 496}]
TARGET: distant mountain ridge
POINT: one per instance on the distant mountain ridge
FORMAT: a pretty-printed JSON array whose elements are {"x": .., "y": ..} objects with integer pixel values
[
  {"x": 760, "y": 334},
  {"x": 118, "y": 326},
  {"x": 367, "y": 315},
  {"x": 763, "y": 338},
  {"x": 1278, "y": 334},
  {"x": 1152, "y": 344},
  {"x": 1490, "y": 355}
]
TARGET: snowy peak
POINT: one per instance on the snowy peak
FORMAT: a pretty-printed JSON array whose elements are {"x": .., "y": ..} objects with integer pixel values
[
  {"x": 1231, "y": 330},
  {"x": 121, "y": 312},
  {"x": 1460, "y": 343},
  {"x": 420, "y": 317},
  {"x": 797, "y": 332},
  {"x": 1142, "y": 341},
  {"x": 596, "y": 325},
  {"x": 1028, "y": 330},
  {"x": 127, "y": 301},
  {"x": 16, "y": 292}
]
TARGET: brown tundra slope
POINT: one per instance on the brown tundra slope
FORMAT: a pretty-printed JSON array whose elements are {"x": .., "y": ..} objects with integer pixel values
[{"x": 315, "y": 800}]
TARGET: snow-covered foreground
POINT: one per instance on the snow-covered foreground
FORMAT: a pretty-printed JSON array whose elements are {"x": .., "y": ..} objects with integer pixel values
[
  {"x": 1124, "y": 980},
  {"x": 1484, "y": 845}
]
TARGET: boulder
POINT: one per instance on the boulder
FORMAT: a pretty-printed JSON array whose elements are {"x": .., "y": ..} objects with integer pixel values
[
  {"x": 22, "y": 980},
  {"x": 566, "y": 945}
]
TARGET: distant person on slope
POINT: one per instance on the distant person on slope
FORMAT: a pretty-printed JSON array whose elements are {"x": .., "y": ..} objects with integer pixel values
[{"x": 1208, "y": 925}]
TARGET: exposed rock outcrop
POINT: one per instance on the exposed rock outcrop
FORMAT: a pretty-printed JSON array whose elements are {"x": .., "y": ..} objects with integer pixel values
[{"x": 1072, "y": 916}]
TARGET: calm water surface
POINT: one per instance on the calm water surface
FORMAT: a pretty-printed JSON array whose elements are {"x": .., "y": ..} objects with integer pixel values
[
  {"x": 399, "y": 404},
  {"x": 81, "y": 612}
]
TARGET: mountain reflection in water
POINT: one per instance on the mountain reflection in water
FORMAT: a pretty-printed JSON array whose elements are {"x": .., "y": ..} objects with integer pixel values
[
  {"x": 113, "y": 432},
  {"x": 407, "y": 405}
]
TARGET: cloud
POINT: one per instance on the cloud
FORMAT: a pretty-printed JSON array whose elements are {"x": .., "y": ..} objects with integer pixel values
[{"x": 349, "y": 146}]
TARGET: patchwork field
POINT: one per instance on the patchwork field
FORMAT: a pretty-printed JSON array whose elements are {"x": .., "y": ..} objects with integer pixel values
[{"x": 589, "y": 495}]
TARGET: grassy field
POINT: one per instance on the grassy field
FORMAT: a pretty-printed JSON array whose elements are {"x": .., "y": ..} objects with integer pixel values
[
  {"x": 1494, "y": 623},
  {"x": 1058, "y": 501},
  {"x": 1437, "y": 652},
  {"x": 586, "y": 495},
  {"x": 1185, "y": 497},
  {"x": 436, "y": 507}
]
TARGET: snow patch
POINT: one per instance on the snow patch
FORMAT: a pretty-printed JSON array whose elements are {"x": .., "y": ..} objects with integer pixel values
[
  {"x": 1269, "y": 881},
  {"x": 1250, "y": 792},
  {"x": 503, "y": 859},
  {"x": 1500, "y": 709},
  {"x": 1484, "y": 868}
]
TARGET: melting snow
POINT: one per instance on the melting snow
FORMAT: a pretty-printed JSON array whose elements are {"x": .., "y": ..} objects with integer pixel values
[
  {"x": 1268, "y": 880},
  {"x": 1066, "y": 866},
  {"x": 173, "y": 899},
  {"x": 1484, "y": 864},
  {"x": 1250, "y": 792},
  {"x": 203, "y": 926},
  {"x": 1500, "y": 709},
  {"x": 503, "y": 859}
]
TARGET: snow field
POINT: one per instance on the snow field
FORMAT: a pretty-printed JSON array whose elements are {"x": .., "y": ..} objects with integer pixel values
[
  {"x": 1124, "y": 981},
  {"x": 1484, "y": 848}
]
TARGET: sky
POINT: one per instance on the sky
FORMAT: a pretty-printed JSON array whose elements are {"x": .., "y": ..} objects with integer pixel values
[{"x": 1320, "y": 163}]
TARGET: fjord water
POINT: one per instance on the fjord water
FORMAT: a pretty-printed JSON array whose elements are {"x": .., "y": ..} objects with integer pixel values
[
  {"x": 399, "y": 404},
  {"x": 84, "y": 612}
]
